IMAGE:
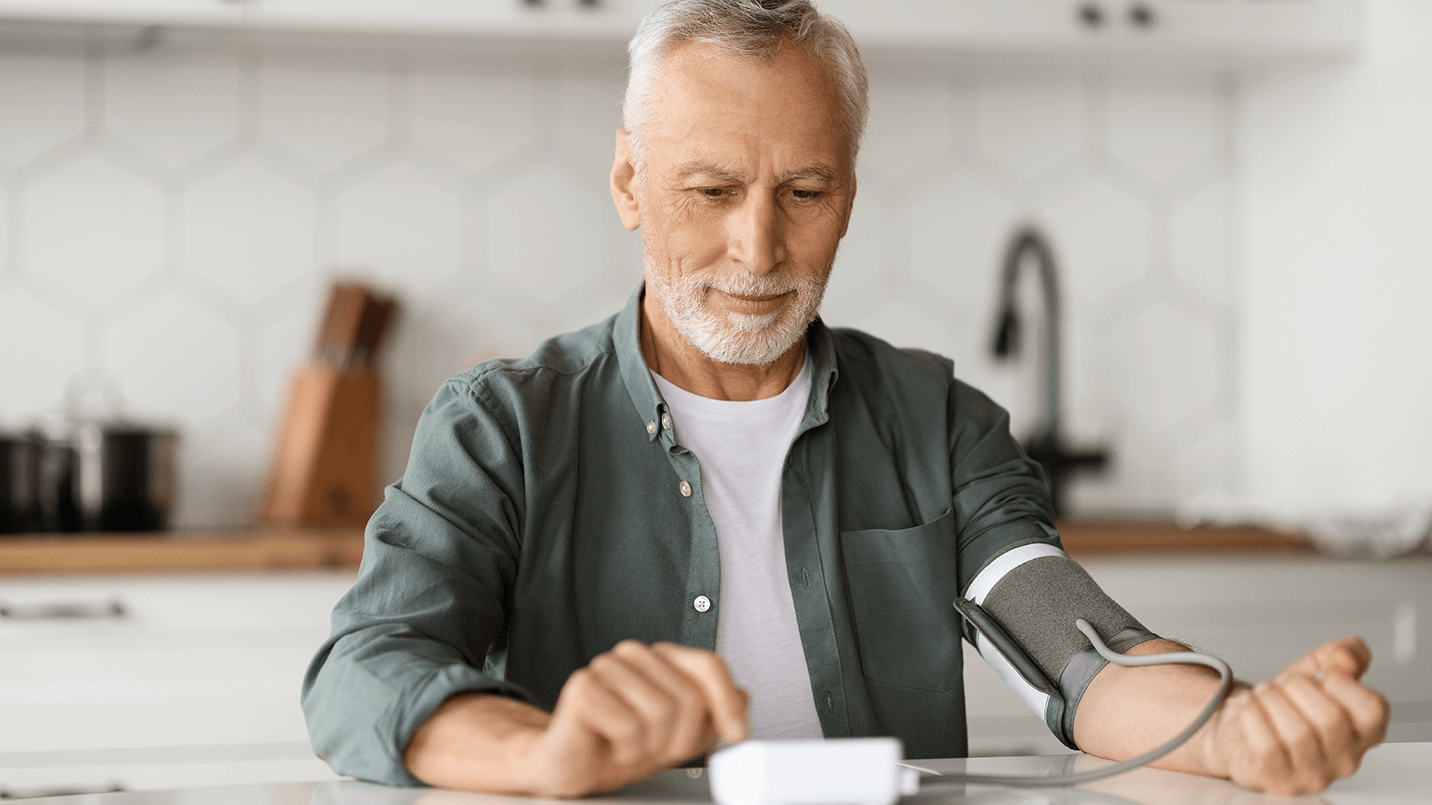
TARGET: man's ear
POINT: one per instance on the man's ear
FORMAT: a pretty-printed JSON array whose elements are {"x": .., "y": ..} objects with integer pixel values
[{"x": 623, "y": 183}]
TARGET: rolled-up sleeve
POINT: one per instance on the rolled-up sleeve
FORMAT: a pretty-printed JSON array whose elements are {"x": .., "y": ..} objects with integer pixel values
[
  {"x": 1000, "y": 499},
  {"x": 433, "y": 590}
]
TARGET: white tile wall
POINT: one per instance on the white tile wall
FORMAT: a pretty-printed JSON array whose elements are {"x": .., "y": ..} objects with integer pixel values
[
  {"x": 92, "y": 226},
  {"x": 325, "y": 111},
  {"x": 1336, "y": 202},
  {"x": 44, "y": 102},
  {"x": 29, "y": 373},
  {"x": 171, "y": 218},
  {"x": 173, "y": 107},
  {"x": 1030, "y": 122},
  {"x": 248, "y": 229},
  {"x": 1163, "y": 127}
]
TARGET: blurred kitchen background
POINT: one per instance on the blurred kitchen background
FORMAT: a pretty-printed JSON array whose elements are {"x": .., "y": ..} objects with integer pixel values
[
  {"x": 1236, "y": 196},
  {"x": 1243, "y": 240}
]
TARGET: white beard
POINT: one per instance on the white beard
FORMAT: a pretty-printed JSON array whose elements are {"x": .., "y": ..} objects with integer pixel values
[{"x": 740, "y": 338}]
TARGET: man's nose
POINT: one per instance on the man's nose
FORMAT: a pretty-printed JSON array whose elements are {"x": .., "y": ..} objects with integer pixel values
[{"x": 755, "y": 236}]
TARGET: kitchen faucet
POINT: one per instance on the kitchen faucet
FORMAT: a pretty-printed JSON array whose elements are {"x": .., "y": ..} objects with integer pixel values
[{"x": 1046, "y": 445}]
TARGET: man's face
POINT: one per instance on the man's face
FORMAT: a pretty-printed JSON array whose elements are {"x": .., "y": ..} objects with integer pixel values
[{"x": 745, "y": 194}]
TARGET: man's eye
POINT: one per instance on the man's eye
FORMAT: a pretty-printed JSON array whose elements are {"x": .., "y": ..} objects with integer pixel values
[
  {"x": 805, "y": 195},
  {"x": 713, "y": 192}
]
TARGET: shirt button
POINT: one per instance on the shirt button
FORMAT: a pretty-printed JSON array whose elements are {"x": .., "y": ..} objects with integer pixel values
[
  {"x": 651, "y": 428},
  {"x": 702, "y": 603},
  {"x": 666, "y": 421},
  {"x": 685, "y": 489}
]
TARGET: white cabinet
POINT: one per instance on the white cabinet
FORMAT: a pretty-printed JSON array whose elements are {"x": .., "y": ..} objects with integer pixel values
[
  {"x": 131, "y": 12},
  {"x": 1259, "y": 28},
  {"x": 148, "y": 681},
  {"x": 614, "y": 20},
  {"x": 1259, "y": 614},
  {"x": 72, "y": 774},
  {"x": 1197, "y": 28}
]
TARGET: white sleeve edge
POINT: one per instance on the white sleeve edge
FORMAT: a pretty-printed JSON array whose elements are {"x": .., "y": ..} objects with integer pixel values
[
  {"x": 1036, "y": 701},
  {"x": 979, "y": 588},
  {"x": 1003, "y": 564}
]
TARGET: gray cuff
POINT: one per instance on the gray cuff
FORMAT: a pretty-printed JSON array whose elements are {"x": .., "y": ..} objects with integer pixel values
[
  {"x": 1037, "y": 603},
  {"x": 1077, "y": 675}
]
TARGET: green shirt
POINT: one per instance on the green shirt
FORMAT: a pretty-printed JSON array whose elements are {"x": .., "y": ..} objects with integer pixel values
[{"x": 547, "y": 513}]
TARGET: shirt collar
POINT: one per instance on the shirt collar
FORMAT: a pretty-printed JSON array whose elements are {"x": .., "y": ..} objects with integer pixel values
[
  {"x": 822, "y": 351},
  {"x": 627, "y": 337},
  {"x": 648, "y": 400}
]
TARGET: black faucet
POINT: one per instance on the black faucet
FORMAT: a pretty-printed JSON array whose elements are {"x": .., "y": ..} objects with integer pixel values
[{"x": 1045, "y": 445}]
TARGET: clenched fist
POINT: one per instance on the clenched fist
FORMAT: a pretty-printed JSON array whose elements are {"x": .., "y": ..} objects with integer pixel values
[
  {"x": 1304, "y": 728},
  {"x": 630, "y": 713},
  {"x": 634, "y": 711}
]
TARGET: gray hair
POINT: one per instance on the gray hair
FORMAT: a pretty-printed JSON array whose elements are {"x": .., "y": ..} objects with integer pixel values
[{"x": 755, "y": 29}]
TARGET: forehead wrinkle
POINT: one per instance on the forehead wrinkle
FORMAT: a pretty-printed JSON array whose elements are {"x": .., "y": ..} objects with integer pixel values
[
  {"x": 710, "y": 170},
  {"x": 821, "y": 172}
]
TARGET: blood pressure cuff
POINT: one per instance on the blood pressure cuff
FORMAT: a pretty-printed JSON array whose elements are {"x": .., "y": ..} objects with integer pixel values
[{"x": 1019, "y": 613}]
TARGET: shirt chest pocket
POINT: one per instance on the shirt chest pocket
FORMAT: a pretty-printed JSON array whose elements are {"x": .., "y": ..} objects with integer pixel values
[{"x": 902, "y": 586}]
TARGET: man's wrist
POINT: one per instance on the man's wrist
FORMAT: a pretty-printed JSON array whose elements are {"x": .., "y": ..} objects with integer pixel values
[
  {"x": 481, "y": 742},
  {"x": 1208, "y": 740},
  {"x": 517, "y": 729},
  {"x": 530, "y": 775}
]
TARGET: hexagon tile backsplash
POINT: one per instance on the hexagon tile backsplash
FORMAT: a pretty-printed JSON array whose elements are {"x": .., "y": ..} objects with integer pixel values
[{"x": 171, "y": 219}]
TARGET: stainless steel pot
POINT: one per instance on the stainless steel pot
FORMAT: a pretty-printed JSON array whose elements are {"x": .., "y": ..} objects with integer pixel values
[
  {"x": 19, "y": 483},
  {"x": 127, "y": 476},
  {"x": 58, "y": 466}
]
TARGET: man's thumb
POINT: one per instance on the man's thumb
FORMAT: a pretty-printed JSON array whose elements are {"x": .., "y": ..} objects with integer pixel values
[{"x": 1349, "y": 657}]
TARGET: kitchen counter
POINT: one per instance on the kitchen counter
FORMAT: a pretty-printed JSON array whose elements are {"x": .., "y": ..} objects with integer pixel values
[
  {"x": 266, "y": 549},
  {"x": 1392, "y": 774},
  {"x": 175, "y": 552},
  {"x": 1084, "y": 537}
]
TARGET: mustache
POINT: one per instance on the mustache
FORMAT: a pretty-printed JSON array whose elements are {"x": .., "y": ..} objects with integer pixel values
[{"x": 747, "y": 283}]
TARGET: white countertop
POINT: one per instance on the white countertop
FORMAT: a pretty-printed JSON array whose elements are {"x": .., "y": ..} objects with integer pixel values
[{"x": 1392, "y": 774}]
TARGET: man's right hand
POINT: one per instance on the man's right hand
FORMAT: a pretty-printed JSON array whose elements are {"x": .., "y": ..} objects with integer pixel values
[{"x": 630, "y": 713}]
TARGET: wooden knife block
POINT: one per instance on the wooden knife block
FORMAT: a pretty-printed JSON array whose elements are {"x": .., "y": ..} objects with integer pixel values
[{"x": 325, "y": 466}]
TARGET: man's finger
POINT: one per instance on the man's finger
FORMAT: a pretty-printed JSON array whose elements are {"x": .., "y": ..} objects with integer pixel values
[
  {"x": 1264, "y": 760},
  {"x": 1368, "y": 709},
  {"x": 1310, "y": 767},
  {"x": 599, "y": 711},
  {"x": 647, "y": 699},
  {"x": 1349, "y": 656},
  {"x": 727, "y": 702},
  {"x": 688, "y": 724},
  {"x": 1332, "y": 724}
]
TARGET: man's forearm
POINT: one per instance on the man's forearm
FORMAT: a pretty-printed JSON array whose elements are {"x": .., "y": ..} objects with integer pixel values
[
  {"x": 1128, "y": 711},
  {"x": 1293, "y": 734},
  {"x": 628, "y": 714},
  {"x": 478, "y": 742}
]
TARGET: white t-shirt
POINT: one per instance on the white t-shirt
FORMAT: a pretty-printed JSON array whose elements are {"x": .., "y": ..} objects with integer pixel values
[{"x": 742, "y": 448}]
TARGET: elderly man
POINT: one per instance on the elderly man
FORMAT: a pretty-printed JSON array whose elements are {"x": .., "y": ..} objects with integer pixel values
[{"x": 596, "y": 552}]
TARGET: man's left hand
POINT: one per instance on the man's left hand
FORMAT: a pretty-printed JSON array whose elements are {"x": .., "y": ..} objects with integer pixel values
[{"x": 1304, "y": 728}]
